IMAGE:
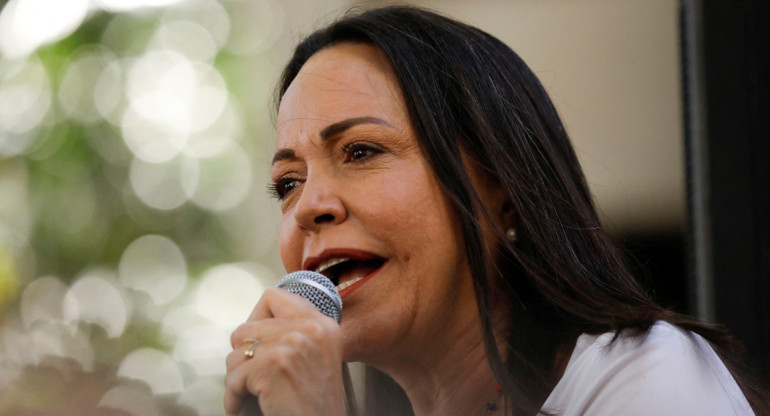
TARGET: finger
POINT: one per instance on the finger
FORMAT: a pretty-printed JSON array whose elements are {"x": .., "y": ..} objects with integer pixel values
[
  {"x": 242, "y": 333},
  {"x": 252, "y": 376},
  {"x": 277, "y": 369},
  {"x": 267, "y": 331},
  {"x": 245, "y": 331},
  {"x": 279, "y": 303},
  {"x": 236, "y": 381},
  {"x": 234, "y": 396},
  {"x": 240, "y": 354}
]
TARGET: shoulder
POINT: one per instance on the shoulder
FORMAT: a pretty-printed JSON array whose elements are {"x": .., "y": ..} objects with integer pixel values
[{"x": 666, "y": 371}]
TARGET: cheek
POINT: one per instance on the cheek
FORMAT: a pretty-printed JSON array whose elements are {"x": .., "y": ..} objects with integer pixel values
[
  {"x": 404, "y": 210},
  {"x": 290, "y": 246},
  {"x": 420, "y": 219},
  {"x": 429, "y": 213}
]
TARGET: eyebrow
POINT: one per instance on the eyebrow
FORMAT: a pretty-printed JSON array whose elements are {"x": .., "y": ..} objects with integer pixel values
[
  {"x": 331, "y": 131},
  {"x": 340, "y": 126},
  {"x": 283, "y": 154}
]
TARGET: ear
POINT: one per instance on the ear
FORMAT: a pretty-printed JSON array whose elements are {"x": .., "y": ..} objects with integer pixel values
[
  {"x": 498, "y": 204},
  {"x": 507, "y": 215}
]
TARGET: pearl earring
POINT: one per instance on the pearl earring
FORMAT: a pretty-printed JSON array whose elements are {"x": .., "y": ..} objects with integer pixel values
[{"x": 510, "y": 234}]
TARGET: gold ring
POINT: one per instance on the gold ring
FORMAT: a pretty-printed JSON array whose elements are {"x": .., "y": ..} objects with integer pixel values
[{"x": 250, "y": 350}]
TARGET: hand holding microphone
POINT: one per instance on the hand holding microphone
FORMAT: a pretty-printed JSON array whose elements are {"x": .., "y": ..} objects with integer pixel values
[{"x": 295, "y": 358}]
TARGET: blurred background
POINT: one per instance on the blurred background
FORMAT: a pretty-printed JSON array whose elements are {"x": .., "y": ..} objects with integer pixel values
[{"x": 135, "y": 140}]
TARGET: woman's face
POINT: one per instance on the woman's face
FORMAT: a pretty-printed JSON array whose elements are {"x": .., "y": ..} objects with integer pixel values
[{"x": 361, "y": 205}]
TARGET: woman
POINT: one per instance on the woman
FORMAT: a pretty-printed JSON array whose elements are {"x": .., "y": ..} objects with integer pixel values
[{"x": 422, "y": 167}]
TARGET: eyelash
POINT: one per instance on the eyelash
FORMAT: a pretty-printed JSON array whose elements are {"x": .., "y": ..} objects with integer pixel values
[
  {"x": 279, "y": 190},
  {"x": 351, "y": 153},
  {"x": 349, "y": 149}
]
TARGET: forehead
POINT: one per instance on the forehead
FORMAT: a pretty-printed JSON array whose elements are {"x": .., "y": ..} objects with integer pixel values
[{"x": 341, "y": 82}]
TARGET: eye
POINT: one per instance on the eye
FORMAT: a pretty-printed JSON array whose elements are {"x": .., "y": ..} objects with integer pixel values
[
  {"x": 283, "y": 186},
  {"x": 359, "y": 151}
]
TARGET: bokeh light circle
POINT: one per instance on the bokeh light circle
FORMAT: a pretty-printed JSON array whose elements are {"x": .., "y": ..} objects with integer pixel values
[
  {"x": 27, "y": 24},
  {"x": 43, "y": 300},
  {"x": 108, "y": 91},
  {"x": 170, "y": 98},
  {"x": 203, "y": 348},
  {"x": 210, "y": 14},
  {"x": 219, "y": 136},
  {"x": 58, "y": 339},
  {"x": 256, "y": 25},
  {"x": 155, "y": 265},
  {"x": 25, "y": 98},
  {"x": 223, "y": 181},
  {"x": 227, "y": 293},
  {"x": 153, "y": 367},
  {"x": 126, "y": 5},
  {"x": 130, "y": 399},
  {"x": 76, "y": 89},
  {"x": 159, "y": 185},
  {"x": 205, "y": 396},
  {"x": 95, "y": 298},
  {"x": 189, "y": 38}
]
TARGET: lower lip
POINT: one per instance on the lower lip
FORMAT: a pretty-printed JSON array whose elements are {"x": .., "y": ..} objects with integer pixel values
[{"x": 354, "y": 286}]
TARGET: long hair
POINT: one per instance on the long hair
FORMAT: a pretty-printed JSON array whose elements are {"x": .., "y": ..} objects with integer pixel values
[{"x": 469, "y": 94}]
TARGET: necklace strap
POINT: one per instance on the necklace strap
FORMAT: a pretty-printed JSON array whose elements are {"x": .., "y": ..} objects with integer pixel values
[{"x": 491, "y": 405}]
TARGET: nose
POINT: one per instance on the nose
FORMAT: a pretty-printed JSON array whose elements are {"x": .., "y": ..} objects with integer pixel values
[{"x": 320, "y": 203}]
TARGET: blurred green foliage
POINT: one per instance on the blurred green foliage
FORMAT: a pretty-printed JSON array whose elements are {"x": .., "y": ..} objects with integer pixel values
[{"x": 80, "y": 213}]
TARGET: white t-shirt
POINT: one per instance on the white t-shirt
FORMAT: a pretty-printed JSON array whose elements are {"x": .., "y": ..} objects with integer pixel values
[{"x": 669, "y": 372}]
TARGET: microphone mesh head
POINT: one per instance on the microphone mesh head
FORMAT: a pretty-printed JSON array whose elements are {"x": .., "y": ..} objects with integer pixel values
[{"x": 316, "y": 288}]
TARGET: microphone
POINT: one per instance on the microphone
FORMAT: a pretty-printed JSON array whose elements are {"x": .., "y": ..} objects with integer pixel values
[
  {"x": 316, "y": 288},
  {"x": 321, "y": 292}
]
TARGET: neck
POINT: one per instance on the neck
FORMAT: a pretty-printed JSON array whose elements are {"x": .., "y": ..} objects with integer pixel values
[
  {"x": 448, "y": 381},
  {"x": 460, "y": 394}
]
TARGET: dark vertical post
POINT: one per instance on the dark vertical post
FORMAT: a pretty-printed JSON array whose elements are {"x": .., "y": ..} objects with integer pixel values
[{"x": 725, "y": 53}]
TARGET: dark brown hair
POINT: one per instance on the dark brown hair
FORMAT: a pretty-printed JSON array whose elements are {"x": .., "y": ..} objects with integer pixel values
[{"x": 467, "y": 92}]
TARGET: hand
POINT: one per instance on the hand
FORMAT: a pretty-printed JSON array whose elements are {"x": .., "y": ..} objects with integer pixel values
[{"x": 296, "y": 368}]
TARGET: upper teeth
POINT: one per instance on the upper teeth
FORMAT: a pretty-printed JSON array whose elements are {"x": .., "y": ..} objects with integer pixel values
[{"x": 329, "y": 263}]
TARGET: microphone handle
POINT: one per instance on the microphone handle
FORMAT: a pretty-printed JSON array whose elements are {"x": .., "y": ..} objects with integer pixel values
[{"x": 250, "y": 407}]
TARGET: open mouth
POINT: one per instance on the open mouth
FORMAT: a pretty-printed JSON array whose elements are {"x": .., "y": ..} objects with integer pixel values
[{"x": 344, "y": 272}]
